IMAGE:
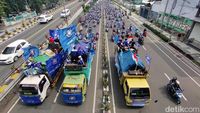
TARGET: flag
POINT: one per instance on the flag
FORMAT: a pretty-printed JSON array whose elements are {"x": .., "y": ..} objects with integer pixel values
[
  {"x": 54, "y": 33},
  {"x": 148, "y": 59},
  {"x": 116, "y": 39},
  {"x": 67, "y": 36},
  {"x": 30, "y": 51},
  {"x": 135, "y": 58}
]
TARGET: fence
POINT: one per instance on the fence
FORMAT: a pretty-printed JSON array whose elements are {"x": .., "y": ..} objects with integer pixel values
[{"x": 19, "y": 18}]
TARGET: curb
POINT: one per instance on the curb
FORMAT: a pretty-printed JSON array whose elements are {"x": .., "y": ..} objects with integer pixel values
[
  {"x": 181, "y": 51},
  {"x": 169, "y": 43}
]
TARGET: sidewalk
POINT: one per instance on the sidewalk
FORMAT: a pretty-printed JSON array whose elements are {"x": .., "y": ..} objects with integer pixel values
[
  {"x": 10, "y": 31},
  {"x": 182, "y": 47}
]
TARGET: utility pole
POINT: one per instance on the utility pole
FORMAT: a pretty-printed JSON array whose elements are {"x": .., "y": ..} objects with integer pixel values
[
  {"x": 181, "y": 7},
  {"x": 173, "y": 6},
  {"x": 164, "y": 14}
]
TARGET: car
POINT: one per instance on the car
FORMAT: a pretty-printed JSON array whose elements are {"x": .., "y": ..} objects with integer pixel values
[
  {"x": 65, "y": 13},
  {"x": 44, "y": 18},
  {"x": 13, "y": 51}
]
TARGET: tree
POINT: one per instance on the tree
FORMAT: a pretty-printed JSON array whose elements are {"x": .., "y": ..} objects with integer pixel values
[{"x": 2, "y": 8}]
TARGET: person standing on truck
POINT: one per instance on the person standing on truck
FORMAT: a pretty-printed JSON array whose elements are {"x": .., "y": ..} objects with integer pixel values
[{"x": 80, "y": 60}]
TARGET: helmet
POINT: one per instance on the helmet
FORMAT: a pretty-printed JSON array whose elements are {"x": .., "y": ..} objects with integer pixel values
[{"x": 174, "y": 78}]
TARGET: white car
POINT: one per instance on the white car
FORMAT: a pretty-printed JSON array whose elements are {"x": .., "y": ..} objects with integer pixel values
[
  {"x": 45, "y": 18},
  {"x": 13, "y": 51},
  {"x": 65, "y": 13}
]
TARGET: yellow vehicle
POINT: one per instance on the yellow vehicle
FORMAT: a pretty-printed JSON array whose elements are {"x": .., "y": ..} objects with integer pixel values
[
  {"x": 136, "y": 90},
  {"x": 133, "y": 77},
  {"x": 74, "y": 89}
]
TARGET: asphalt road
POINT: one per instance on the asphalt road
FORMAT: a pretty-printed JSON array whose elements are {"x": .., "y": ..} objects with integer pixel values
[
  {"x": 54, "y": 103},
  {"x": 35, "y": 35},
  {"x": 166, "y": 63}
]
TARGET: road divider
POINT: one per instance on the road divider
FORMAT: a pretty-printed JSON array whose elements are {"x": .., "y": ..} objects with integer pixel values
[
  {"x": 26, "y": 24},
  {"x": 15, "y": 77}
]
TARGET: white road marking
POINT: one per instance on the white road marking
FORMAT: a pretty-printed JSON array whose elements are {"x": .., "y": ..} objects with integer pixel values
[
  {"x": 167, "y": 76},
  {"x": 13, "y": 105},
  {"x": 57, "y": 94},
  {"x": 169, "y": 79},
  {"x": 178, "y": 58},
  {"x": 96, "y": 74},
  {"x": 51, "y": 22},
  {"x": 173, "y": 61},
  {"x": 144, "y": 48},
  {"x": 111, "y": 81},
  {"x": 45, "y": 26},
  {"x": 173, "y": 54}
]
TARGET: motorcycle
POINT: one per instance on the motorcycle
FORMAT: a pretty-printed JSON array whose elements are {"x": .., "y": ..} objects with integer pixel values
[{"x": 175, "y": 91}]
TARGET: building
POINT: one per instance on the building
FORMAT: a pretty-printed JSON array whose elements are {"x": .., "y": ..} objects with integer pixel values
[{"x": 179, "y": 15}]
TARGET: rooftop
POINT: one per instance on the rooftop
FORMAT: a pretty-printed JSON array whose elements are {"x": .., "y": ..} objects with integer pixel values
[
  {"x": 35, "y": 79},
  {"x": 137, "y": 83}
]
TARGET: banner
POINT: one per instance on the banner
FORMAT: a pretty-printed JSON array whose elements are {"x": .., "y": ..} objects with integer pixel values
[
  {"x": 54, "y": 33},
  {"x": 30, "y": 51},
  {"x": 67, "y": 36}
]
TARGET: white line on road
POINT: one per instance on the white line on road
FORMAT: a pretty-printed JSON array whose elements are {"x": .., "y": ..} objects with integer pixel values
[
  {"x": 167, "y": 48},
  {"x": 44, "y": 27},
  {"x": 56, "y": 97},
  {"x": 173, "y": 61},
  {"x": 13, "y": 105},
  {"x": 110, "y": 73},
  {"x": 144, "y": 48},
  {"x": 96, "y": 74},
  {"x": 169, "y": 79},
  {"x": 167, "y": 76}
]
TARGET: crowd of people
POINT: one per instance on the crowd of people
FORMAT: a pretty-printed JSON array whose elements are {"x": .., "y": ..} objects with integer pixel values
[
  {"x": 125, "y": 36},
  {"x": 86, "y": 35}
]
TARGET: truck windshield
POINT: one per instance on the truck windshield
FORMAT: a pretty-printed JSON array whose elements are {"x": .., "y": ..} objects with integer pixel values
[
  {"x": 137, "y": 93},
  {"x": 28, "y": 90},
  {"x": 72, "y": 90}
]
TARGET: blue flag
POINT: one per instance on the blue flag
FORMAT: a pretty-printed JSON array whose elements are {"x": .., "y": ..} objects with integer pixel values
[
  {"x": 116, "y": 39},
  {"x": 30, "y": 51},
  {"x": 54, "y": 33},
  {"x": 67, "y": 36},
  {"x": 148, "y": 59}
]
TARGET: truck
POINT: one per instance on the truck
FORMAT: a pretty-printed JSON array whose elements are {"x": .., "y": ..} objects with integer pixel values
[
  {"x": 77, "y": 76},
  {"x": 40, "y": 73},
  {"x": 133, "y": 78}
]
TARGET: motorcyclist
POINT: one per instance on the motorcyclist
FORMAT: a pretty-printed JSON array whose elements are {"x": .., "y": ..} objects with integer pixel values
[{"x": 175, "y": 83}]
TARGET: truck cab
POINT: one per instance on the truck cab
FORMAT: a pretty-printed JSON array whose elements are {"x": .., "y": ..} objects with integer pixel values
[
  {"x": 136, "y": 89},
  {"x": 33, "y": 89},
  {"x": 133, "y": 78},
  {"x": 74, "y": 89}
]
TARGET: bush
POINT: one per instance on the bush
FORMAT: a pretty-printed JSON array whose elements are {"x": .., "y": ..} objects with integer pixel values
[
  {"x": 163, "y": 37},
  {"x": 86, "y": 8}
]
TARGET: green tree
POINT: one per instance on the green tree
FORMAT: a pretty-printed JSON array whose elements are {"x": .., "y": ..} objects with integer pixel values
[{"x": 2, "y": 8}]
